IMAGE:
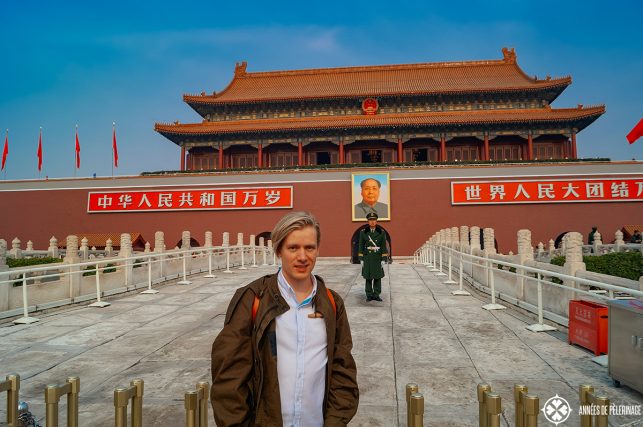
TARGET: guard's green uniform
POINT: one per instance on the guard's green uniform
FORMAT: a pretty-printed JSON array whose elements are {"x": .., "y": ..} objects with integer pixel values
[{"x": 372, "y": 250}]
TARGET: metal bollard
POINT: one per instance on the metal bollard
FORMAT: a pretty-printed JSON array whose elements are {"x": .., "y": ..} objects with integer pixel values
[
  {"x": 527, "y": 407},
  {"x": 411, "y": 388},
  {"x": 122, "y": 397},
  {"x": 53, "y": 393},
  {"x": 494, "y": 409},
  {"x": 417, "y": 410},
  {"x": 196, "y": 406},
  {"x": 587, "y": 398},
  {"x": 12, "y": 386},
  {"x": 483, "y": 389}
]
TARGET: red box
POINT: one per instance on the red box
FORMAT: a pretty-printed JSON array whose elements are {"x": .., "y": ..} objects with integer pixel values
[{"x": 588, "y": 325}]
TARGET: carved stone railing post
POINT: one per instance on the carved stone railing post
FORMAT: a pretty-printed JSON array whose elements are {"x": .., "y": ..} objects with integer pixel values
[
  {"x": 598, "y": 242},
  {"x": 3, "y": 255},
  {"x": 15, "y": 251},
  {"x": 573, "y": 257},
  {"x": 455, "y": 237},
  {"x": 84, "y": 249},
  {"x": 475, "y": 237},
  {"x": 126, "y": 252},
  {"x": 148, "y": 248},
  {"x": 186, "y": 244},
  {"x": 464, "y": 238},
  {"x": 53, "y": 248},
  {"x": 253, "y": 249},
  {"x": 208, "y": 239},
  {"x": 541, "y": 249},
  {"x": 525, "y": 253},
  {"x": 272, "y": 252},
  {"x": 262, "y": 243},
  {"x": 242, "y": 251},
  {"x": 29, "y": 246},
  {"x": 618, "y": 240},
  {"x": 71, "y": 257},
  {"x": 489, "y": 241}
]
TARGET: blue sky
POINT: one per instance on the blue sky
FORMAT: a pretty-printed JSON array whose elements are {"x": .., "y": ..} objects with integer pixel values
[{"x": 92, "y": 63}]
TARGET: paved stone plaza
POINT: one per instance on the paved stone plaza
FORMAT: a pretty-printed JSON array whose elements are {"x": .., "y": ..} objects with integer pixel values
[{"x": 420, "y": 333}]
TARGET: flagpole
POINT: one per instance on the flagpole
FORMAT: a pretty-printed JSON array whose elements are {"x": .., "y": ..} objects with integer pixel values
[
  {"x": 40, "y": 149},
  {"x": 6, "y": 139},
  {"x": 75, "y": 136},
  {"x": 113, "y": 133}
]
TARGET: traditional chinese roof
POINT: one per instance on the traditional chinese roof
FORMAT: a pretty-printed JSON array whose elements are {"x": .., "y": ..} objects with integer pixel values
[
  {"x": 628, "y": 231},
  {"x": 580, "y": 116},
  {"x": 99, "y": 240},
  {"x": 379, "y": 81}
]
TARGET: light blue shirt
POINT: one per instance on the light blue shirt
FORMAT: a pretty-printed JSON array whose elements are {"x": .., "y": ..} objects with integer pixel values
[{"x": 301, "y": 359}]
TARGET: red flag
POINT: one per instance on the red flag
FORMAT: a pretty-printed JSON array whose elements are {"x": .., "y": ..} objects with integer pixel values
[
  {"x": 77, "y": 150},
  {"x": 635, "y": 133},
  {"x": 5, "y": 151},
  {"x": 114, "y": 147},
  {"x": 40, "y": 151}
]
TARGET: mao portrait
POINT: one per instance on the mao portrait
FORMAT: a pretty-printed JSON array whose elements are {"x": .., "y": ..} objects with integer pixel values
[{"x": 371, "y": 193}]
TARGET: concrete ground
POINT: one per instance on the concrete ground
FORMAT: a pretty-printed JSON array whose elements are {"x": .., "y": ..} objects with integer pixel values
[{"x": 419, "y": 333}]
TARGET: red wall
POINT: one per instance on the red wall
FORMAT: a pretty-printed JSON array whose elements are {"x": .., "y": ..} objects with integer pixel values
[{"x": 419, "y": 208}]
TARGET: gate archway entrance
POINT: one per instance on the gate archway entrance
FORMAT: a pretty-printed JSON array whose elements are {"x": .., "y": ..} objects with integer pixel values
[{"x": 355, "y": 242}]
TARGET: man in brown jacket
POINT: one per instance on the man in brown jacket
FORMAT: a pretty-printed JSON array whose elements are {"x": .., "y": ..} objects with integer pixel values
[{"x": 292, "y": 315}]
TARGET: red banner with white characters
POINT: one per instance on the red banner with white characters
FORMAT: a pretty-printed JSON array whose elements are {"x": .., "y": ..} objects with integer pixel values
[
  {"x": 190, "y": 199},
  {"x": 547, "y": 191}
]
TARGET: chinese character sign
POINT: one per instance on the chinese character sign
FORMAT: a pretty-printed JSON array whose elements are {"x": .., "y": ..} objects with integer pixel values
[
  {"x": 547, "y": 191},
  {"x": 190, "y": 199}
]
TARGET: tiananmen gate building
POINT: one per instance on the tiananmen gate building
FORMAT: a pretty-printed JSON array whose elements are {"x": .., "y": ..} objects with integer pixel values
[{"x": 430, "y": 112}]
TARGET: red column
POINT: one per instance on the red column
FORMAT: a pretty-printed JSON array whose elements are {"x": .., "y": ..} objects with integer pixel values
[
  {"x": 260, "y": 156},
  {"x": 341, "y": 152},
  {"x": 485, "y": 154},
  {"x": 443, "y": 149},
  {"x": 182, "y": 158},
  {"x": 220, "y": 156},
  {"x": 530, "y": 147},
  {"x": 400, "y": 153},
  {"x": 300, "y": 155},
  {"x": 574, "y": 152}
]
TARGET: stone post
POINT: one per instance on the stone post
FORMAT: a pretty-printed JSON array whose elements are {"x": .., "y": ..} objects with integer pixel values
[
  {"x": 455, "y": 237},
  {"x": 551, "y": 248},
  {"x": 489, "y": 241},
  {"x": 159, "y": 248},
  {"x": 29, "y": 246},
  {"x": 4, "y": 287},
  {"x": 109, "y": 248},
  {"x": 186, "y": 244},
  {"x": 541, "y": 249},
  {"x": 253, "y": 250},
  {"x": 262, "y": 243},
  {"x": 15, "y": 251},
  {"x": 475, "y": 237},
  {"x": 53, "y": 247},
  {"x": 148, "y": 248},
  {"x": 573, "y": 260},
  {"x": 208, "y": 239},
  {"x": 464, "y": 238},
  {"x": 3, "y": 255},
  {"x": 598, "y": 242},
  {"x": 185, "y": 240},
  {"x": 159, "y": 242},
  {"x": 126, "y": 252},
  {"x": 525, "y": 253},
  {"x": 618, "y": 240},
  {"x": 271, "y": 252},
  {"x": 71, "y": 257},
  {"x": 84, "y": 249}
]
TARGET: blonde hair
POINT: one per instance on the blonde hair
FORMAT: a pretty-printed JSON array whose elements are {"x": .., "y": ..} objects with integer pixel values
[{"x": 291, "y": 222}]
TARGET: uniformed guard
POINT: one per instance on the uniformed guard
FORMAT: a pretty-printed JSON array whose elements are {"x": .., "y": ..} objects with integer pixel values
[{"x": 372, "y": 253}]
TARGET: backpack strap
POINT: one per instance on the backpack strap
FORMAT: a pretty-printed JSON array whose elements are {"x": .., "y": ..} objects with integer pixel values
[
  {"x": 332, "y": 300},
  {"x": 255, "y": 307},
  {"x": 255, "y": 304}
]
